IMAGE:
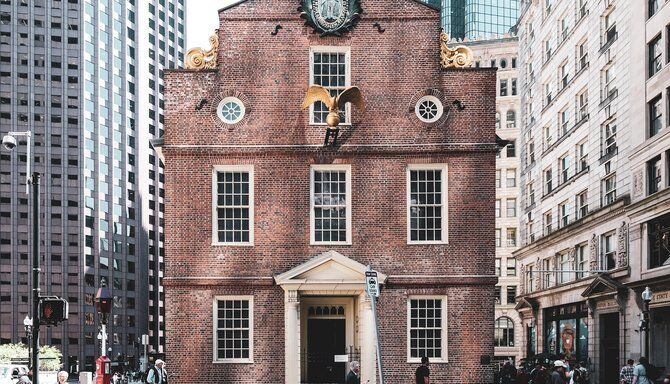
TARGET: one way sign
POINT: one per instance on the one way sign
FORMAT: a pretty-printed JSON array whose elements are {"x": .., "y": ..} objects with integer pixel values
[{"x": 371, "y": 283}]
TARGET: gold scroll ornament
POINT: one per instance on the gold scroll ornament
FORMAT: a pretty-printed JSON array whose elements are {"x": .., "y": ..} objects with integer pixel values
[
  {"x": 198, "y": 58},
  {"x": 457, "y": 57}
]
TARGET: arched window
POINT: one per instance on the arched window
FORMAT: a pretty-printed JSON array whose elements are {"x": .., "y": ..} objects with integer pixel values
[
  {"x": 497, "y": 120},
  {"x": 511, "y": 119},
  {"x": 504, "y": 332}
]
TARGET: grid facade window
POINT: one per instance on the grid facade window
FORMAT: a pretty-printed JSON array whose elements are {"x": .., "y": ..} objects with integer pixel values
[
  {"x": 330, "y": 69},
  {"x": 511, "y": 294},
  {"x": 654, "y": 175},
  {"x": 582, "y": 260},
  {"x": 609, "y": 138},
  {"x": 331, "y": 205},
  {"x": 655, "y": 50},
  {"x": 609, "y": 189},
  {"x": 233, "y": 319},
  {"x": 511, "y": 237},
  {"x": 511, "y": 267},
  {"x": 504, "y": 332},
  {"x": 426, "y": 204},
  {"x": 511, "y": 207},
  {"x": 233, "y": 205},
  {"x": 582, "y": 204},
  {"x": 608, "y": 255},
  {"x": 655, "y": 116},
  {"x": 426, "y": 325}
]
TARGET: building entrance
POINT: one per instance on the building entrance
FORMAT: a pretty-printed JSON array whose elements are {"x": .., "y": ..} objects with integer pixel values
[
  {"x": 325, "y": 339},
  {"x": 609, "y": 347}
]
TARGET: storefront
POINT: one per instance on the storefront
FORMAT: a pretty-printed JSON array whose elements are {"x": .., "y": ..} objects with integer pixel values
[{"x": 566, "y": 331}]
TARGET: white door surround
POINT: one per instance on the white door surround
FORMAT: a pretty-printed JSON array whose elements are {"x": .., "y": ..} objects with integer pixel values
[{"x": 328, "y": 274}]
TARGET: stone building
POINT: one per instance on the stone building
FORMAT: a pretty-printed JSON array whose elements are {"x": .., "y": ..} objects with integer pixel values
[
  {"x": 269, "y": 231},
  {"x": 593, "y": 206}
]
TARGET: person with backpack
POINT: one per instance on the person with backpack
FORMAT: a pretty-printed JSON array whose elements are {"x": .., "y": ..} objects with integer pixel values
[
  {"x": 157, "y": 373},
  {"x": 640, "y": 372}
]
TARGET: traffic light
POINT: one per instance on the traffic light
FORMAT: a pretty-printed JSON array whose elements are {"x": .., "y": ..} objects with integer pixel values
[{"x": 53, "y": 310}]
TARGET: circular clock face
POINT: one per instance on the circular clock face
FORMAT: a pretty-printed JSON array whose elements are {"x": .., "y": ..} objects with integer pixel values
[
  {"x": 330, "y": 14},
  {"x": 230, "y": 110},
  {"x": 428, "y": 109}
]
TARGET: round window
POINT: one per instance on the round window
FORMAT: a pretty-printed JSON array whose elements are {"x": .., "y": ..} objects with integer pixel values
[
  {"x": 428, "y": 109},
  {"x": 230, "y": 110}
]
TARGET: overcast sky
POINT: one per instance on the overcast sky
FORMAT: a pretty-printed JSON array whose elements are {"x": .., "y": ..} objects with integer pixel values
[{"x": 202, "y": 19}]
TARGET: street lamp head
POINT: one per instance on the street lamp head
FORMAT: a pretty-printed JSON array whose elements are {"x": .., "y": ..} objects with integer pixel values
[
  {"x": 647, "y": 295},
  {"x": 27, "y": 322},
  {"x": 9, "y": 142}
]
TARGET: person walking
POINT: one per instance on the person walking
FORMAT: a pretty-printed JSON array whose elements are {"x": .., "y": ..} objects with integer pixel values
[
  {"x": 61, "y": 377},
  {"x": 157, "y": 373},
  {"x": 353, "y": 376},
  {"x": 558, "y": 374},
  {"x": 422, "y": 373},
  {"x": 640, "y": 372},
  {"x": 626, "y": 373}
]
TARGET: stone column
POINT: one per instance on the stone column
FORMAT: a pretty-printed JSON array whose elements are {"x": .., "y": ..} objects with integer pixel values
[
  {"x": 367, "y": 336},
  {"x": 292, "y": 336}
]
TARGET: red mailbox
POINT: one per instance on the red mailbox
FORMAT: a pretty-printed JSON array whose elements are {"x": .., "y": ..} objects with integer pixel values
[{"x": 103, "y": 370}]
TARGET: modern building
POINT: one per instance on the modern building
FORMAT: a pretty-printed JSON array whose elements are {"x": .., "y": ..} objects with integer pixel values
[
  {"x": 592, "y": 221},
  {"x": 84, "y": 78},
  {"x": 270, "y": 233},
  {"x": 475, "y": 19},
  {"x": 502, "y": 52}
]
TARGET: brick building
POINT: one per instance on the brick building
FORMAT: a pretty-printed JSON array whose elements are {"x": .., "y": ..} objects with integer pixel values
[{"x": 269, "y": 232}]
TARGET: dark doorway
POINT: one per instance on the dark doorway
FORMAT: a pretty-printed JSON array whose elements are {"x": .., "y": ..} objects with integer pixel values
[
  {"x": 325, "y": 339},
  {"x": 609, "y": 348}
]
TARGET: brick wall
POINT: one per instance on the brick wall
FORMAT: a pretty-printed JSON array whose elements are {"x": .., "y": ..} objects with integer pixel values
[{"x": 270, "y": 74}]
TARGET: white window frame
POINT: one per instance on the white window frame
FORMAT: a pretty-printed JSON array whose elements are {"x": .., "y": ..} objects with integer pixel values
[
  {"x": 563, "y": 214},
  {"x": 581, "y": 154},
  {"x": 582, "y": 209},
  {"x": 330, "y": 49},
  {"x": 603, "y": 246},
  {"x": 609, "y": 132},
  {"x": 215, "y": 222},
  {"x": 609, "y": 194},
  {"x": 444, "y": 196},
  {"x": 444, "y": 329},
  {"x": 329, "y": 167},
  {"x": 215, "y": 318}
]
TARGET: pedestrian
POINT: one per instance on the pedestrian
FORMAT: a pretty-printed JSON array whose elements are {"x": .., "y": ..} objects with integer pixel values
[
  {"x": 626, "y": 373},
  {"x": 559, "y": 372},
  {"x": 353, "y": 376},
  {"x": 157, "y": 373},
  {"x": 508, "y": 373},
  {"x": 423, "y": 373},
  {"x": 26, "y": 378},
  {"x": 640, "y": 372},
  {"x": 61, "y": 377},
  {"x": 522, "y": 376}
]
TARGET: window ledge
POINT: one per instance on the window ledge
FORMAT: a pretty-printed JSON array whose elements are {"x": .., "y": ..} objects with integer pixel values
[
  {"x": 217, "y": 244},
  {"x": 432, "y": 360},
  {"x": 610, "y": 97},
  {"x": 330, "y": 243},
  {"x": 609, "y": 43},
  {"x": 608, "y": 155},
  {"x": 410, "y": 242},
  {"x": 233, "y": 361},
  {"x": 562, "y": 185},
  {"x": 564, "y": 137}
]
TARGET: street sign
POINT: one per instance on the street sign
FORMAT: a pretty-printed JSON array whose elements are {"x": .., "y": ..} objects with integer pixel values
[{"x": 371, "y": 283}]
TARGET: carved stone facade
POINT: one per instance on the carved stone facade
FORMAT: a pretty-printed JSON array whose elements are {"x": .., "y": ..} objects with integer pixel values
[
  {"x": 593, "y": 254},
  {"x": 622, "y": 246}
]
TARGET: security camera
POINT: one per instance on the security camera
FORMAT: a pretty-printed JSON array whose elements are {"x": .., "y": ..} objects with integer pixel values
[{"x": 9, "y": 142}]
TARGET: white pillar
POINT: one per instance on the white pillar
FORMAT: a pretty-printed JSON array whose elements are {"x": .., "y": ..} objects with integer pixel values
[
  {"x": 292, "y": 336},
  {"x": 367, "y": 335}
]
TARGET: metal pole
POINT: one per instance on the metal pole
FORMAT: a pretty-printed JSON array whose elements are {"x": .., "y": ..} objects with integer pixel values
[
  {"x": 646, "y": 329},
  {"x": 103, "y": 339},
  {"x": 379, "y": 348},
  {"x": 35, "y": 181}
]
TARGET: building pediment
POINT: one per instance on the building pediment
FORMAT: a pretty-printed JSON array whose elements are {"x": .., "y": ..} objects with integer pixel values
[
  {"x": 603, "y": 285},
  {"x": 527, "y": 303},
  {"x": 328, "y": 271}
]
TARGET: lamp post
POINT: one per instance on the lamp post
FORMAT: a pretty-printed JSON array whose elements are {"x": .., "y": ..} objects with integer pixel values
[
  {"x": 646, "y": 298},
  {"x": 10, "y": 142},
  {"x": 28, "y": 327},
  {"x": 103, "y": 303}
]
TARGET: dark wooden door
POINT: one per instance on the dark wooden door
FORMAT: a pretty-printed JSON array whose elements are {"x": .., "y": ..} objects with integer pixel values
[
  {"x": 609, "y": 348},
  {"x": 325, "y": 339}
]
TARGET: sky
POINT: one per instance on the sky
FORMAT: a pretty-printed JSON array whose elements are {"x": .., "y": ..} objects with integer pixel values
[{"x": 202, "y": 19}]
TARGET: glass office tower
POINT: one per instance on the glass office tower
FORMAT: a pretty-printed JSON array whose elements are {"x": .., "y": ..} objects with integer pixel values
[
  {"x": 475, "y": 18},
  {"x": 84, "y": 77}
]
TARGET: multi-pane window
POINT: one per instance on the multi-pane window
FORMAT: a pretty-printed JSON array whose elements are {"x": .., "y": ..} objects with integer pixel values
[
  {"x": 609, "y": 137},
  {"x": 582, "y": 204},
  {"x": 330, "y": 69},
  {"x": 654, "y": 175},
  {"x": 581, "y": 9},
  {"x": 497, "y": 207},
  {"x": 548, "y": 222},
  {"x": 563, "y": 75},
  {"x": 582, "y": 260},
  {"x": 426, "y": 325},
  {"x": 563, "y": 214},
  {"x": 498, "y": 178},
  {"x": 608, "y": 255},
  {"x": 548, "y": 274},
  {"x": 503, "y": 87},
  {"x": 511, "y": 237},
  {"x": 564, "y": 119},
  {"x": 511, "y": 118},
  {"x": 331, "y": 205},
  {"x": 658, "y": 231},
  {"x": 233, "y": 324},
  {"x": 564, "y": 266},
  {"x": 582, "y": 156},
  {"x": 503, "y": 332},
  {"x": 498, "y": 240},
  {"x": 547, "y": 136},
  {"x": 511, "y": 266},
  {"x": 582, "y": 105},
  {"x": 582, "y": 54},
  {"x": 655, "y": 51},
  {"x": 608, "y": 81},
  {"x": 511, "y": 178},
  {"x": 564, "y": 168},
  {"x": 511, "y": 207},
  {"x": 530, "y": 194},
  {"x": 511, "y": 294},
  {"x": 547, "y": 50},
  {"x": 514, "y": 88},
  {"x": 497, "y": 295},
  {"x": 511, "y": 149},
  {"x": 609, "y": 189},
  {"x": 497, "y": 266},
  {"x": 233, "y": 202},
  {"x": 652, "y": 7},
  {"x": 655, "y": 115},
  {"x": 530, "y": 279},
  {"x": 609, "y": 25},
  {"x": 426, "y": 203},
  {"x": 548, "y": 183}
]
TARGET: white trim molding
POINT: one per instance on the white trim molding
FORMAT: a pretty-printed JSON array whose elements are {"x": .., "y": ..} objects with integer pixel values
[
  {"x": 215, "y": 318},
  {"x": 443, "y": 328},
  {"x": 215, "y": 222},
  {"x": 444, "y": 198}
]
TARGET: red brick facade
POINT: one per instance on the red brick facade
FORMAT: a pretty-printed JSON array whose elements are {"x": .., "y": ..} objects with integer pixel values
[{"x": 270, "y": 74}]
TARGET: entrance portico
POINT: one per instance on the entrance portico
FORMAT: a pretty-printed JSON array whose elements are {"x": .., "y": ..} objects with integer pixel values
[{"x": 328, "y": 281}]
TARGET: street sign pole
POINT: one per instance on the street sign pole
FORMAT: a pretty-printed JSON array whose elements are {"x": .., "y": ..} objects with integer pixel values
[{"x": 372, "y": 288}]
